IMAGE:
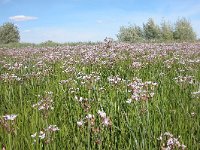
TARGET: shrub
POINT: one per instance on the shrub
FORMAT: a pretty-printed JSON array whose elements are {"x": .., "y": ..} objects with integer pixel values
[
  {"x": 130, "y": 34},
  {"x": 49, "y": 43}
]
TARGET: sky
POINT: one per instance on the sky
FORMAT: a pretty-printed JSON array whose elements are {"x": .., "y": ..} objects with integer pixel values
[{"x": 90, "y": 20}]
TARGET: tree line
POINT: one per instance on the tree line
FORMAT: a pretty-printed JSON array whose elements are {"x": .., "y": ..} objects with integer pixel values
[
  {"x": 181, "y": 31},
  {"x": 150, "y": 31}
]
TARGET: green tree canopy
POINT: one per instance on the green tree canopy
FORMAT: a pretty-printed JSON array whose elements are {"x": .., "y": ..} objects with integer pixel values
[
  {"x": 9, "y": 33},
  {"x": 180, "y": 31},
  {"x": 130, "y": 34},
  {"x": 151, "y": 30},
  {"x": 184, "y": 31},
  {"x": 166, "y": 31}
]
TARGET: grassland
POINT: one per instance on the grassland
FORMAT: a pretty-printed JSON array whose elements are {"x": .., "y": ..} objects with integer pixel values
[{"x": 103, "y": 96}]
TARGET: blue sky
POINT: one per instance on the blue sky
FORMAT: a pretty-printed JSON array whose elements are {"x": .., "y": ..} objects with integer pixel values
[{"x": 90, "y": 20}]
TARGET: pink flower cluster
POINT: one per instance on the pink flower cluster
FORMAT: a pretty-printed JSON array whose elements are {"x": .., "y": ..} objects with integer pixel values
[{"x": 141, "y": 91}]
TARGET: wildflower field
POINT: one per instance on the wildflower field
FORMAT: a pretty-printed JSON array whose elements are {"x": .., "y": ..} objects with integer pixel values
[{"x": 102, "y": 96}]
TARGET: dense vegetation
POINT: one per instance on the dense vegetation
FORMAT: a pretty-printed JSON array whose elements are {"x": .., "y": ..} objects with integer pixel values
[
  {"x": 9, "y": 33},
  {"x": 103, "y": 96},
  {"x": 181, "y": 31}
]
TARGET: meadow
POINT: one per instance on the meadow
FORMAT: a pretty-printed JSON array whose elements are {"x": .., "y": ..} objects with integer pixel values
[{"x": 103, "y": 96}]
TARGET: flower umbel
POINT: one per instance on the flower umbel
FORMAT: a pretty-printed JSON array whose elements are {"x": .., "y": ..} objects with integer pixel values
[{"x": 8, "y": 122}]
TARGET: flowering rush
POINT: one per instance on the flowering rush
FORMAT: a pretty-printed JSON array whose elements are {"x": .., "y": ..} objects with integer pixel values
[
  {"x": 105, "y": 120},
  {"x": 46, "y": 103},
  {"x": 141, "y": 91},
  {"x": 169, "y": 142},
  {"x": 10, "y": 117},
  {"x": 45, "y": 134}
]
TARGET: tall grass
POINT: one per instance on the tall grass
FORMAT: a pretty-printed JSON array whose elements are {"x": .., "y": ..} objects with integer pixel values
[{"x": 88, "y": 92}]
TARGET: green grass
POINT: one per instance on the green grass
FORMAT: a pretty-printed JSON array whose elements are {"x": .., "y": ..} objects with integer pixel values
[{"x": 134, "y": 126}]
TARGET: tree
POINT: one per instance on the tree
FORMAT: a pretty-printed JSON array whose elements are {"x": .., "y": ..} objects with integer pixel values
[
  {"x": 130, "y": 34},
  {"x": 166, "y": 31},
  {"x": 9, "y": 33},
  {"x": 181, "y": 31},
  {"x": 151, "y": 30},
  {"x": 139, "y": 32},
  {"x": 184, "y": 31}
]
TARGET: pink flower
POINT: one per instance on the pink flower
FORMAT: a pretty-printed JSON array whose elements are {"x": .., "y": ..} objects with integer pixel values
[
  {"x": 10, "y": 117},
  {"x": 106, "y": 121},
  {"x": 101, "y": 113},
  {"x": 80, "y": 123}
]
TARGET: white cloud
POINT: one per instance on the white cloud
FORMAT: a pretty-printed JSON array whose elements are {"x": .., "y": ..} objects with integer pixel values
[{"x": 22, "y": 18}]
